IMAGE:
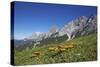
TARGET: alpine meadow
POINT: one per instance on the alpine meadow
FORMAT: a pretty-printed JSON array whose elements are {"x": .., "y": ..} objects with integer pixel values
[{"x": 44, "y": 33}]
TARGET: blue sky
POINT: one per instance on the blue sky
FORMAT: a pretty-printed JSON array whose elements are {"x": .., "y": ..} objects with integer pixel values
[{"x": 36, "y": 17}]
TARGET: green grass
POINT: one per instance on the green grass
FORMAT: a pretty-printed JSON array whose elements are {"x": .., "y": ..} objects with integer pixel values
[{"x": 85, "y": 49}]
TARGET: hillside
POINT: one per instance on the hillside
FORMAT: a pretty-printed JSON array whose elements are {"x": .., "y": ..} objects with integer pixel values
[
  {"x": 84, "y": 49},
  {"x": 80, "y": 26}
]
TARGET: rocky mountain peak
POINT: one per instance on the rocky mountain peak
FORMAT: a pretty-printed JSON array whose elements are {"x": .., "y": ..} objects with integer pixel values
[{"x": 80, "y": 26}]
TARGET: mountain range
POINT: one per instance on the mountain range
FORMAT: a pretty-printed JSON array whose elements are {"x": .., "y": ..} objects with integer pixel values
[{"x": 79, "y": 26}]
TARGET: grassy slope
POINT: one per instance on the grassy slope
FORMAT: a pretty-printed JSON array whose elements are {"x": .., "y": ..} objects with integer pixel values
[{"x": 85, "y": 49}]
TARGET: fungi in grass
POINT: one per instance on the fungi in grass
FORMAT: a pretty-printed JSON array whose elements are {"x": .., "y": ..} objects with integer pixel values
[
  {"x": 51, "y": 48},
  {"x": 35, "y": 54}
]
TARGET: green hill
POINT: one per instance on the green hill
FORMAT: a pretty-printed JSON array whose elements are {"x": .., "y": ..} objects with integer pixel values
[{"x": 84, "y": 49}]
